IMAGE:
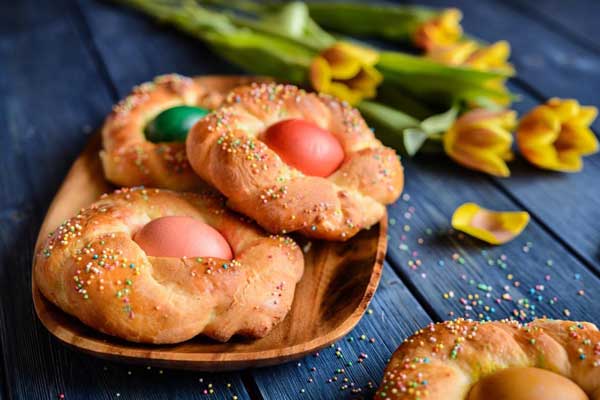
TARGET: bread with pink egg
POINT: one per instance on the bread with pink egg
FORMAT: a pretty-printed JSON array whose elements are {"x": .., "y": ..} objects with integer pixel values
[{"x": 155, "y": 266}]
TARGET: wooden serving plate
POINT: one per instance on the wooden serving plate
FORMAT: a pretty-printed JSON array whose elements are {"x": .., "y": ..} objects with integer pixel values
[{"x": 338, "y": 283}]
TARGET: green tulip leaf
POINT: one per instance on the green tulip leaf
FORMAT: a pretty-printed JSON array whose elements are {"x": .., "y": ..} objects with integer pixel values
[
  {"x": 397, "y": 22},
  {"x": 439, "y": 122},
  {"x": 414, "y": 138}
]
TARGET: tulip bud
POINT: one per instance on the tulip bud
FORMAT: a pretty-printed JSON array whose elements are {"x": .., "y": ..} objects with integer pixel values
[{"x": 481, "y": 140}]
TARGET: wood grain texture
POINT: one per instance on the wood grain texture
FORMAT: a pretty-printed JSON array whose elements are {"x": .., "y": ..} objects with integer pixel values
[
  {"x": 567, "y": 204},
  {"x": 336, "y": 372},
  {"x": 338, "y": 283},
  {"x": 533, "y": 275},
  {"x": 51, "y": 95},
  {"x": 574, "y": 20},
  {"x": 42, "y": 46}
]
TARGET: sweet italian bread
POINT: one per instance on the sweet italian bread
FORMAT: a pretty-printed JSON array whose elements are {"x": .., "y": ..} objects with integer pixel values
[
  {"x": 467, "y": 360},
  {"x": 296, "y": 161},
  {"x": 155, "y": 266},
  {"x": 143, "y": 138}
]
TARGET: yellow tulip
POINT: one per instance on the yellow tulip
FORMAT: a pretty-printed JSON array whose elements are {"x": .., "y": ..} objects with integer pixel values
[
  {"x": 492, "y": 58},
  {"x": 469, "y": 53},
  {"x": 557, "y": 134},
  {"x": 346, "y": 71},
  {"x": 481, "y": 140},
  {"x": 440, "y": 31},
  {"x": 493, "y": 227},
  {"x": 455, "y": 54}
]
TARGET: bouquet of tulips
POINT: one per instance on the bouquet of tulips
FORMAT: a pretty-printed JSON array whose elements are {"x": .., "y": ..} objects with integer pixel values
[{"x": 447, "y": 91}]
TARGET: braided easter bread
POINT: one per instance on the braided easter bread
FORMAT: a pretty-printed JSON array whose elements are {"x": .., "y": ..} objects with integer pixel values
[
  {"x": 467, "y": 360},
  {"x": 226, "y": 149},
  {"x": 93, "y": 269},
  {"x": 129, "y": 159}
]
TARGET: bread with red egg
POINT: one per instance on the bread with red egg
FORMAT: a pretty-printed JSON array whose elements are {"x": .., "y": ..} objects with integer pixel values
[
  {"x": 296, "y": 161},
  {"x": 156, "y": 266}
]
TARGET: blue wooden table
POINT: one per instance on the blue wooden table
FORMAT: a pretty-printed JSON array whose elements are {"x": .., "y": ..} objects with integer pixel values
[{"x": 64, "y": 63}]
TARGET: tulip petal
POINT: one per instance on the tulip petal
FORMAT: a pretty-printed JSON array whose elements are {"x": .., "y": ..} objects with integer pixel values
[
  {"x": 569, "y": 161},
  {"x": 342, "y": 65},
  {"x": 455, "y": 54},
  {"x": 366, "y": 81},
  {"x": 344, "y": 92},
  {"x": 587, "y": 115},
  {"x": 540, "y": 127},
  {"x": 565, "y": 109},
  {"x": 367, "y": 55},
  {"x": 579, "y": 138},
  {"x": 479, "y": 160},
  {"x": 346, "y": 60},
  {"x": 488, "y": 129},
  {"x": 492, "y": 58},
  {"x": 508, "y": 155},
  {"x": 492, "y": 138},
  {"x": 320, "y": 74},
  {"x": 442, "y": 30},
  {"x": 548, "y": 158},
  {"x": 493, "y": 227}
]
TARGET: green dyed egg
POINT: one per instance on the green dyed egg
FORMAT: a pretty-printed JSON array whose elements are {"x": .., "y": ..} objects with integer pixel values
[{"x": 173, "y": 124}]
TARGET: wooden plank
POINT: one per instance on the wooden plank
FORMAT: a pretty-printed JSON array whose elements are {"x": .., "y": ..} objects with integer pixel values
[
  {"x": 135, "y": 50},
  {"x": 562, "y": 69},
  {"x": 437, "y": 261},
  {"x": 337, "y": 372},
  {"x": 46, "y": 108},
  {"x": 573, "y": 19}
]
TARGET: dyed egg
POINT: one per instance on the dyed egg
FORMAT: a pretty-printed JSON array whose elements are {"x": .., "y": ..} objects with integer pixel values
[
  {"x": 173, "y": 124},
  {"x": 182, "y": 237},
  {"x": 305, "y": 146},
  {"x": 526, "y": 384}
]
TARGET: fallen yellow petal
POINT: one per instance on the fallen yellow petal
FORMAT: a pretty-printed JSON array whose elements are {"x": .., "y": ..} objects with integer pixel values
[{"x": 494, "y": 227}]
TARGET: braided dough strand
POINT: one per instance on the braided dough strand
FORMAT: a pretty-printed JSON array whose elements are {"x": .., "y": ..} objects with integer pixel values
[
  {"x": 131, "y": 160},
  {"x": 226, "y": 150},
  {"x": 443, "y": 361},
  {"x": 92, "y": 269}
]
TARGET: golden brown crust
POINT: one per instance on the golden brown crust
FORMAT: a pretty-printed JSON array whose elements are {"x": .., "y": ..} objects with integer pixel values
[
  {"x": 129, "y": 159},
  {"x": 92, "y": 269},
  {"x": 443, "y": 361},
  {"x": 225, "y": 150}
]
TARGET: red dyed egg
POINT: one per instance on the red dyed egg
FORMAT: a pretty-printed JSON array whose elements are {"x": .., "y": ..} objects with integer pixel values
[
  {"x": 305, "y": 146},
  {"x": 182, "y": 237}
]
